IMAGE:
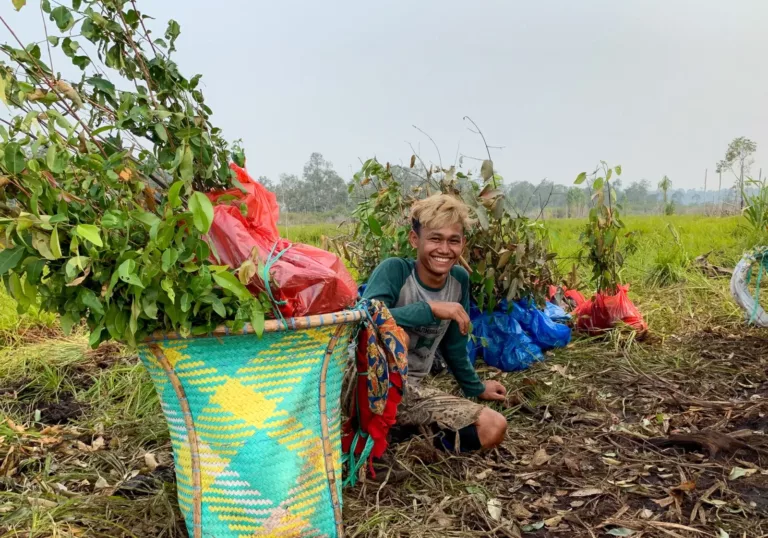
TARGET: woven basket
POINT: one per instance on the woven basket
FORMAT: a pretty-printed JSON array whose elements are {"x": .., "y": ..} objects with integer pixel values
[{"x": 254, "y": 425}]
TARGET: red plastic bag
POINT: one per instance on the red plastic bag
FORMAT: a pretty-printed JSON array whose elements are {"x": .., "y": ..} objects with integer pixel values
[
  {"x": 573, "y": 298},
  {"x": 307, "y": 279},
  {"x": 602, "y": 312}
]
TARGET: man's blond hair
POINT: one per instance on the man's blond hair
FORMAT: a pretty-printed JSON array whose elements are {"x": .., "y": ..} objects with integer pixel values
[{"x": 439, "y": 211}]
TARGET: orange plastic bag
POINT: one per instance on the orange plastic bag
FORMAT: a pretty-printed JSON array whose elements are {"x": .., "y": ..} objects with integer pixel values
[
  {"x": 306, "y": 280},
  {"x": 602, "y": 312}
]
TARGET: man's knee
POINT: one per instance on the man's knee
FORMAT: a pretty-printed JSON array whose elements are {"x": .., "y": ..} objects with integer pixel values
[{"x": 491, "y": 428}]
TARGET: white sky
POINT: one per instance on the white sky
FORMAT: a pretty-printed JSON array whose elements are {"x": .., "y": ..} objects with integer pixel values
[{"x": 658, "y": 86}]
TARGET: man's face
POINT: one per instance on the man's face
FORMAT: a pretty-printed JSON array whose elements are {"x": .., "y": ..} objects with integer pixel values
[{"x": 438, "y": 249}]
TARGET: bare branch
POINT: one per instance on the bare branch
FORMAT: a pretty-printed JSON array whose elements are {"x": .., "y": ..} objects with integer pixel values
[{"x": 439, "y": 157}]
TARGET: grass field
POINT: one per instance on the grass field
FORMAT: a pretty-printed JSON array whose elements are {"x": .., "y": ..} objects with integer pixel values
[{"x": 580, "y": 457}]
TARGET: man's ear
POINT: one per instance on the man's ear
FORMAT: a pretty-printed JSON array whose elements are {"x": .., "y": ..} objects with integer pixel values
[{"x": 413, "y": 239}]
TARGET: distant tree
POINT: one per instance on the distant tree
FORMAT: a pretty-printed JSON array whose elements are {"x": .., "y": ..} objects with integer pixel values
[
  {"x": 738, "y": 159},
  {"x": 319, "y": 189},
  {"x": 326, "y": 189},
  {"x": 678, "y": 197},
  {"x": 664, "y": 185},
  {"x": 637, "y": 194},
  {"x": 575, "y": 199}
]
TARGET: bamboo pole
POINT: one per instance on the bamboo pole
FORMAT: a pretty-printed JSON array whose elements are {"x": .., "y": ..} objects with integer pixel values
[
  {"x": 273, "y": 325},
  {"x": 326, "y": 433},
  {"x": 194, "y": 451}
]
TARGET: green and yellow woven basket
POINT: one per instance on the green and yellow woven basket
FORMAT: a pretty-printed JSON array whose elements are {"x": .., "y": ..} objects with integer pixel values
[{"x": 255, "y": 426}]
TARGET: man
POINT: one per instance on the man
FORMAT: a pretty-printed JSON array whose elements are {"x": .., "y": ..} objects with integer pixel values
[{"x": 429, "y": 298}]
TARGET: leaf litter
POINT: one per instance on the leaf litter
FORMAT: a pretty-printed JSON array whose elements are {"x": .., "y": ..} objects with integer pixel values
[{"x": 609, "y": 437}]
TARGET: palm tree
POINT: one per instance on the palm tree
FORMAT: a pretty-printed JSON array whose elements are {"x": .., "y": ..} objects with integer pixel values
[{"x": 665, "y": 184}]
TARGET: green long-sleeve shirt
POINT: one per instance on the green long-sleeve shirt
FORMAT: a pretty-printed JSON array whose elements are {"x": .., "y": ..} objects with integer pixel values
[{"x": 396, "y": 283}]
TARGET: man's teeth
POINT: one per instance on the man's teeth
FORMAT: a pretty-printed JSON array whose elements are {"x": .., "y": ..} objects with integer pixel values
[{"x": 442, "y": 260}]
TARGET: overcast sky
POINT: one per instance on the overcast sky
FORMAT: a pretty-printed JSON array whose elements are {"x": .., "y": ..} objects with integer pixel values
[{"x": 658, "y": 86}]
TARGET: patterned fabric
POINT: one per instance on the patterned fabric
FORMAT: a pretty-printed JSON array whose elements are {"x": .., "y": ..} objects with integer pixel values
[
  {"x": 424, "y": 405},
  {"x": 382, "y": 360},
  {"x": 264, "y": 463},
  {"x": 387, "y": 354}
]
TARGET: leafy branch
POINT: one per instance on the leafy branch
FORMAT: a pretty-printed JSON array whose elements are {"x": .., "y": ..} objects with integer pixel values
[{"x": 102, "y": 208}]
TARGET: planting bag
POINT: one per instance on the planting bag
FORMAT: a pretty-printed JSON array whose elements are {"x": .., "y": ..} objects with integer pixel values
[
  {"x": 502, "y": 340},
  {"x": 305, "y": 280},
  {"x": 544, "y": 331},
  {"x": 568, "y": 299},
  {"x": 603, "y": 312},
  {"x": 556, "y": 313}
]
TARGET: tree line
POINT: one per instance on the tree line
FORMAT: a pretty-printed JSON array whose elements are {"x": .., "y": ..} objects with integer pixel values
[{"x": 320, "y": 189}]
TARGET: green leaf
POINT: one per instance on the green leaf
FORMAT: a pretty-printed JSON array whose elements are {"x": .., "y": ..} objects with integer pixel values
[
  {"x": 185, "y": 166},
  {"x": 95, "y": 337},
  {"x": 63, "y": 17},
  {"x": 67, "y": 322},
  {"x": 53, "y": 40},
  {"x": 257, "y": 319},
  {"x": 618, "y": 170},
  {"x": 15, "y": 160},
  {"x": 219, "y": 307},
  {"x": 90, "y": 300},
  {"x": 167, "y": 285},
  {"x": 3, "y": 98},
  {"x": 609, "y": 174},
  {"x": 76, "y": 4},
  {"x": 173, "y": 194},
  {"x": 145, "y": 217},
  {"x": 150, "y": 307},
  {"x": 161, "y": 133},
  {"x": 170, "y": 257},
  {"x": 202, "y": 211},
  {"x": 40, "y": 242},
  {"x": 89, "y": 232},
  {"x": 18, "y": 4},
  {"x": 10, "y": 258},
  {"x": 230, "y": 282},
  {"x": 186, "y": 302},
  {"x": 375, "y": 226},
  {"x": 103, "y": 85},
  {"x": 81, "y": 61},
  {"x": 581, "y": 178},
  {"x": 598, "y": 184}
]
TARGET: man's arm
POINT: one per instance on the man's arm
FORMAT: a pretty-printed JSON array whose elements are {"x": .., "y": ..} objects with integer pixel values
[
  {"x": 385, "y": 284},
  {"x": 454, "y": 347}
]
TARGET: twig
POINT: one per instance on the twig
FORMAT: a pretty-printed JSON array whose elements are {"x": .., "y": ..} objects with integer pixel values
[
  {"x": 439, "y": 157},
  {"x": 48, "y": 43},
  {"x": 62, "y": 101},
  {"x": 487, "y": 149}
]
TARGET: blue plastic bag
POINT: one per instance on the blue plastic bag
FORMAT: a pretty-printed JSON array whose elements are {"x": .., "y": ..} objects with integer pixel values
[
  {"x": 556, "y": 313},
  {"x": 503, "y": 341},
  {"x": 544, "y": 332}
]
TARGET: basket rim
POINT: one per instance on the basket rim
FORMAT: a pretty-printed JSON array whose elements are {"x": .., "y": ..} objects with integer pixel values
[{"x": 343, "y": 317}]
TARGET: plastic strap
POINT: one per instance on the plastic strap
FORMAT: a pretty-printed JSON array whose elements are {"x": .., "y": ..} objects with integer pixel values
[{"x": 271, "y": 260}]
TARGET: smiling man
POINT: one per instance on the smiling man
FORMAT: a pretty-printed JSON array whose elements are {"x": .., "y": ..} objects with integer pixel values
[{"x": 429, "y": 298}]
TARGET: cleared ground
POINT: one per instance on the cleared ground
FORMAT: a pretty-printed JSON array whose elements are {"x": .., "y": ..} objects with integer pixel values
[{"x": 590, "y": 450}]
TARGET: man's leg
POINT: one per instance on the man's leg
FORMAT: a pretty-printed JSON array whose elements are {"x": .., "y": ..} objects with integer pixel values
[
  {"x": 491, "y": 428},
  {"x": 458, "y": 421}
]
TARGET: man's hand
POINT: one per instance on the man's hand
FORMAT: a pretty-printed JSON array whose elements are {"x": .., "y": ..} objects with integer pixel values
[
  {"x": 451, "y": 311},
  {"x": 494, "y": 391}
]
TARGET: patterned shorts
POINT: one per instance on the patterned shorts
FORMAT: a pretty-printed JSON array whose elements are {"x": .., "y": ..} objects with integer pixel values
[{"x": 424, "y": 406}]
